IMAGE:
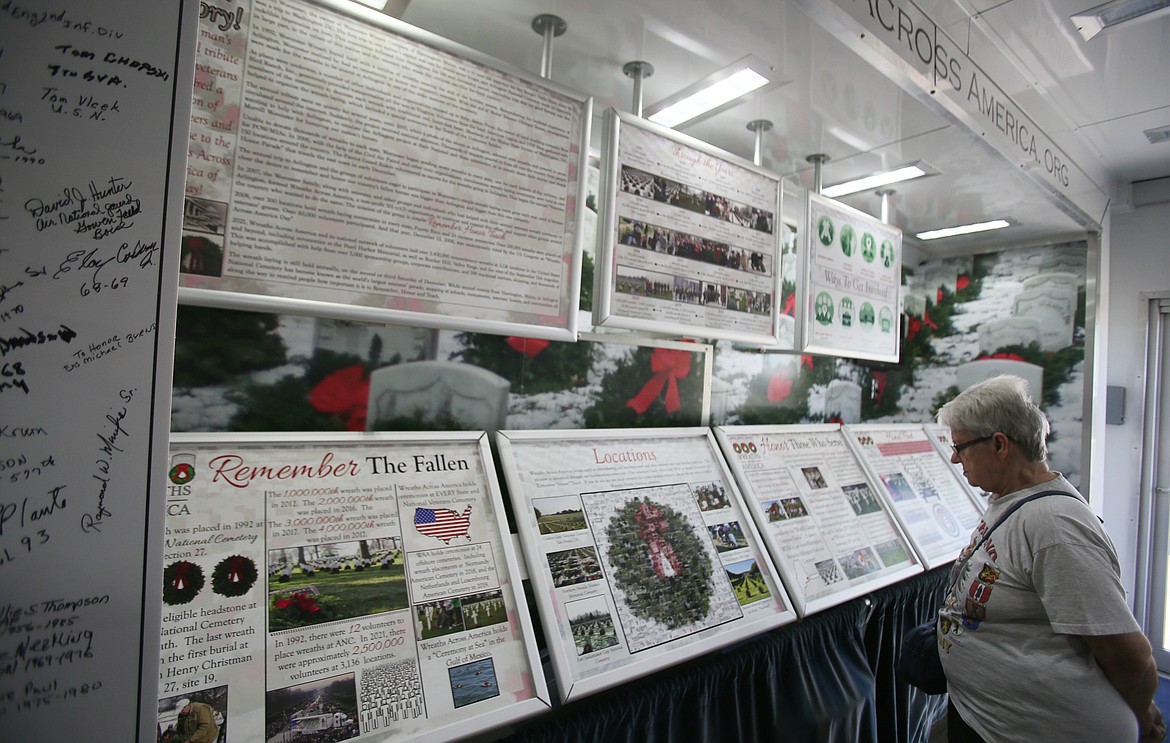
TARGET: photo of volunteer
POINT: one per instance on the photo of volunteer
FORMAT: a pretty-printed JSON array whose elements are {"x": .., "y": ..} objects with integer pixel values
[
  {"x": 666, "y": 191},
  {"x": 1035, "y": 635}
]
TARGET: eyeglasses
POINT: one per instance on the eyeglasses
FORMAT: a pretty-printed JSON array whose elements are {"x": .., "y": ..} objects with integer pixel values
[{"x": 958, "y": 448}]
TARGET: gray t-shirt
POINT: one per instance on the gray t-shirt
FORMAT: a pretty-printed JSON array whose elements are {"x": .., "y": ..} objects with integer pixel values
[{"x": 1015, "y": 667}]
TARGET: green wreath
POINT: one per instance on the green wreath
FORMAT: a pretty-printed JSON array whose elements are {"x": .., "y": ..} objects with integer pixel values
[
  {"x": 233, "y": 576},
  {"x": 182, "y": 582},
  {"x": 659, "y": 564}
]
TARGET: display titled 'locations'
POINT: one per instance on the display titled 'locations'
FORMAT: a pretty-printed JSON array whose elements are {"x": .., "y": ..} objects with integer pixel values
[
  {"x": 639, "y": 549},
  {"x": 827, "y": 528},
  {"x": 352, "y": 588},
  {"x": 341, "y": 156}
]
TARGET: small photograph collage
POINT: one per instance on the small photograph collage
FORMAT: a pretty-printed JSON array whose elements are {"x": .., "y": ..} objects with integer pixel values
[
  {"x": 687, "y": 289},
  {"x": 657, "y": 551},
  {"x": 204, "y": 225},
  {"x": 666, "y": 191}
]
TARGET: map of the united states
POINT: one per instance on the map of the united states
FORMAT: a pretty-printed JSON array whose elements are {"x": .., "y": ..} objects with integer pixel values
[{"x": 443, "y": 523}]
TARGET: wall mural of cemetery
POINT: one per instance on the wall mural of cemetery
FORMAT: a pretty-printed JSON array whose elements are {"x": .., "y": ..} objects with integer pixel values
[{"x": 1020, "y": 311}]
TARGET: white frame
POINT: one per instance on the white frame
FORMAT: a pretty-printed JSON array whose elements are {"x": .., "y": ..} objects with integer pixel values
[
  {"x": 471, "y": 321},
  {"x": 852, "y": 589},
  {"x": 807, "y": 287},
  {"x": 605, "y": 268},
  {"x": 455, "y": 730},
  {"x": 940, "y": 436},
  {"x": 704, "y": 641},
  {"x": 937, "y": 556}
]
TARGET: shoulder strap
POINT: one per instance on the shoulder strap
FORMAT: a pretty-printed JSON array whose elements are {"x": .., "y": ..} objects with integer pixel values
[{"x": 1015, "y": 507}]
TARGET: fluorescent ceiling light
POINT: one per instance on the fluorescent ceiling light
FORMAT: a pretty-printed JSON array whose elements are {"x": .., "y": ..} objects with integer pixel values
[
  {"x": 966, "y": 229},
  {"x": 712, "y": 93},
  {"x": 877, "y": 180},
  {"x": 1110, "y": 15},
  {"x": 392, "y": 8}
]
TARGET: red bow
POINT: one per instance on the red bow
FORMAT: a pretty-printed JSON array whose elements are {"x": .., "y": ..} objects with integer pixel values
[
  {"x": 530, "y": 347},
  {"x": 181, "y": 571},
  {"x": 912, "y": 328},
  {"x": 668, "y": 367},
  {"x": 1005, "y": 356},
  {"x": 961, "y": 283},
  {"x": 302, "y": 601},
  {"x": 940, "y": 296},
  {"x": 879, "y": 385},
  {"x": 235, "y": 568},
  {"x": 344, "y": 392},
  {"x": 779, "y": 387},
  {"x": 807, "y": 361},
  {"x": 790, "y": 305},
  {"x": 926, "y": 319}
]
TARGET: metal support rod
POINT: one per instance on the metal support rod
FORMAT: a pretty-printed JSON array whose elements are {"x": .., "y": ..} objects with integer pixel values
[
  {"x": 759, "y": 126},
  {"x": 548, "y": 26},
  {"x": 886, "y": 193},
  {"x": 638, "y": 71},
  {"x": 817, "y": 160}
]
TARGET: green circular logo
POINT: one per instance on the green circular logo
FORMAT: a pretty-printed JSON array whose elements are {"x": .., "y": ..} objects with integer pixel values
[
  {"x": 868, "y": 247},
  {"x": 825, "y": 231},
  {"x": 866, "y": 315},
  {"x": 848, "y": 240},
  {"x": 823, "y": 308},
  {"x": 886, "y": 319},
  {"x": 887, "y": 253}
]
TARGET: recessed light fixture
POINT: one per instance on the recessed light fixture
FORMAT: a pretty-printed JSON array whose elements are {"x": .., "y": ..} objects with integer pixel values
[
  {"x": 1158, "y": 134},
  {"x": 392, "y": 8},
  {"x": 877, "y": 180},
  {"x": 1093, "y": 21},
  {"x": 714, "y": 92},
  {"x": 966, "y": 229}
]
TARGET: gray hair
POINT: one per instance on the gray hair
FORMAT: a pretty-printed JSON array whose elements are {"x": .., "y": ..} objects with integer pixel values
[{"x": 1000, "y": 404}]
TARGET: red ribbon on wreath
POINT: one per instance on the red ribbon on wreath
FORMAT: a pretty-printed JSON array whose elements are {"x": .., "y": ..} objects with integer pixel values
[
  {"x": 779, "y": 387},
  {"x": 807, "y": 361},
  {"x": 789, "y": 305},
  {"x": 236, "y": 568},
  {"x": 530, "y": 347},
  {"x": 668, "y": 367},
  {"x": 302, "y": 601},
  {"x": 181, "y": 571},
  {"x": 961, "y": 283},
  {"x": 345, "y": 393},
  {"x": 1005, "y": 356}
]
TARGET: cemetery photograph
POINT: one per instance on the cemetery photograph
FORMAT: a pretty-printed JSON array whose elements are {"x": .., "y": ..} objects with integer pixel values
[
  {"x": 319, "y": 583},
  {"x": 558, "y": 514}
]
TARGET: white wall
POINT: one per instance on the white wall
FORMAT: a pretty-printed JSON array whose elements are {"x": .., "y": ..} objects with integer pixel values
[{"x": 1139, "y": 261}]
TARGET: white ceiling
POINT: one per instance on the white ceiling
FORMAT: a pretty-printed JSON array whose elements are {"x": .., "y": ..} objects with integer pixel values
[{"x": 1093, "y": 98}]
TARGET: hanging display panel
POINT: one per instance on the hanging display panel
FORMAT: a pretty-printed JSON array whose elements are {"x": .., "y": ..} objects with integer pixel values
[
  {"x": 639, "y": 550},
  {"x": 852, "y": 279},
  {"x": 689, "y": 237},
  {"x": 345, "y": 164},
  {"x": 830, "y": 533},
  {"x": 352, "y": 586},
  {"x": 936, "y": 511}
]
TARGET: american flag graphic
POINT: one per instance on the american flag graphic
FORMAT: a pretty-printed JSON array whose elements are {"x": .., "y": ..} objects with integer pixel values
[{"x": 443, "y": 523}]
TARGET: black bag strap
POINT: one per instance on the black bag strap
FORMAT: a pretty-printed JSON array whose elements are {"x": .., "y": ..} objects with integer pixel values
[{"x": 1015, "y": 507}]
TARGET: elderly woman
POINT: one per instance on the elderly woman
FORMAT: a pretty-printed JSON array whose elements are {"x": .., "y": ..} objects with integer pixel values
[{"x": 1035, "y": 635}]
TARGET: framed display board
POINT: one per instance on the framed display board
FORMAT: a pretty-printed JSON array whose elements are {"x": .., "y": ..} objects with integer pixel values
[
  {"x": 936, "y": 511},
  {"x": 345, "y": 164},
  {"x": 831, "y": 535},
  {"x": 940, "y": 436},
  {"x": 638, "y": 548},
  {"x": 94, "y": 102},
  {"x": 689, "y": 237},
  {"x": 852, "y": 280},
  {"x": 379, "y": 571}
]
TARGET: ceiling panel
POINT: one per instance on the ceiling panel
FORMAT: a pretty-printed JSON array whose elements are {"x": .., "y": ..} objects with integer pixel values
[{"x": 1085, "y": 95}]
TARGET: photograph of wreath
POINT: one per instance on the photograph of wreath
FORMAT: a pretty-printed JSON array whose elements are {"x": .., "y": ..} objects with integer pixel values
[{"x": 660, "y": 562}]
